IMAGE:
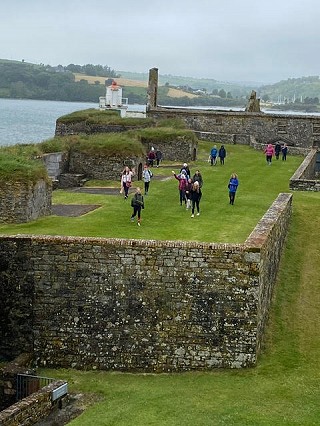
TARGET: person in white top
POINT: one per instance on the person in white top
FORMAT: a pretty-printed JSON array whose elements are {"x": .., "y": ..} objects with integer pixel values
[{"x": 126, "y": 180}]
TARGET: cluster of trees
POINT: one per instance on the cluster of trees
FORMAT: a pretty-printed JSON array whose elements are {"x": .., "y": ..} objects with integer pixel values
[
  {"x": 23, "y": 80},
  {"x": 92, "y": 70}
]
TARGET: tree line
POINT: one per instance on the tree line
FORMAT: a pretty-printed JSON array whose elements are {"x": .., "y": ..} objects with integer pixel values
[{"x": 24, "y": 80}]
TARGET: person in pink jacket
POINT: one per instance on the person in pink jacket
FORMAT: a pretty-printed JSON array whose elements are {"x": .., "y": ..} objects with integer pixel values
[
  {"x": 182, "y": 178},
  {"x": 269, "y": 151}
]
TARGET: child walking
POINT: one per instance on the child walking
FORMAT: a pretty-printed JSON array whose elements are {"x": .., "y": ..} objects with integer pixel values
[
  {"x": 233, "y": 186},
  {"x": 146, "y": 176},
  {"x": 137, "y": 203}
]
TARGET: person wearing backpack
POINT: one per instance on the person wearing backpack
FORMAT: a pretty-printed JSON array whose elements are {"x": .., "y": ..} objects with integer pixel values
[{"x": 146, "y": 177}]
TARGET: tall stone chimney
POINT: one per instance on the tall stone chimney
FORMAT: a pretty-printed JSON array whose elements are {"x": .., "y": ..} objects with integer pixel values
[{"x": 152, "y": 89}]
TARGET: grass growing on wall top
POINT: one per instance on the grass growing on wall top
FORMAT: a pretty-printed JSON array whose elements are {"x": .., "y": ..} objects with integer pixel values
[
  {"x": 109, "y": 145},
  {"x": 165, "y": 134},
  {"x": 15, "y": 168},
  {"x": 282, "y": 390}
]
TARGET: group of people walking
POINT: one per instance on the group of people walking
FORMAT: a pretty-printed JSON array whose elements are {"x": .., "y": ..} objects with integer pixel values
[
  {"x": 189, "y": 188},
  {"x": 275, "y": 151},
  {"x": 215, "y": 153}
]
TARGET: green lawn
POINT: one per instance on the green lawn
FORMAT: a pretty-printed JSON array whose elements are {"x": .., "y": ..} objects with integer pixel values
[
  {"x": 163, "y": 218},
  {"x": 284, "y": 389}
]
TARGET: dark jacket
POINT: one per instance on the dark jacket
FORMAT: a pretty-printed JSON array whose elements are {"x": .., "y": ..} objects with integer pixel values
[
  {"x": 196, "y": 194},
  {"x": 198, "y": 178},
  {"x": 222, "y": 152},
  {"x": 137, "y": 200}
]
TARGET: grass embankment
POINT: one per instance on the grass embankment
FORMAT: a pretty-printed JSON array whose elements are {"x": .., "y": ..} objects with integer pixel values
[
  {"x": 18, "y": 168},
  {"x": 163, "y": 218}
]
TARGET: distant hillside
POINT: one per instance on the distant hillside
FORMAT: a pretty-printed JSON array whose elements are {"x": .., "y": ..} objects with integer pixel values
[
  {"x": 209, "y": 85},
  {"x": 86, "y": 83},
  {"x": 304, "y": 90}
]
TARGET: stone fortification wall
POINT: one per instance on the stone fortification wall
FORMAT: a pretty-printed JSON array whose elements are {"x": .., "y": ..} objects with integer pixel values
[
  {"x": 97, "y": 166},
  {"x": 24, "y": 201},
  {"x": 305, "y": 179},
  {"x": 237, "y": 127},
  {"x": 178, "y": 149},
  {"x": 143, "y": 305},
  {"x": 267, "y": 241},
  {"x": 74, "y": 128}
]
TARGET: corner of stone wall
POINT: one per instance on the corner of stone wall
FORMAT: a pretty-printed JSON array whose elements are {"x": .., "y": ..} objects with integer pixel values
[
  {"x": 304, "y": 178},
  {"x": 268, "y": 237}
]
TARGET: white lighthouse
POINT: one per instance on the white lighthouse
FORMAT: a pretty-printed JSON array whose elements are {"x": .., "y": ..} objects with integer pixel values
[{"x": 114, "y": 99}]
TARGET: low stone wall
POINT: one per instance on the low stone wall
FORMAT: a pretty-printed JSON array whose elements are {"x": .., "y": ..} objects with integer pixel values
[
  {"x": 136, "y": 305},
  {"x": 33, "y": 408},
  {"x": 101, "y": 167},
  {"x": 24, "y": 201},
  {"x": 304, "y": 179},
  {"x": 178, "y": 149}
]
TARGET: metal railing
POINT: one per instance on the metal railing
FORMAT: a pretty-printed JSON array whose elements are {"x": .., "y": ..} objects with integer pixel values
[{"x": 27, "y": 384}]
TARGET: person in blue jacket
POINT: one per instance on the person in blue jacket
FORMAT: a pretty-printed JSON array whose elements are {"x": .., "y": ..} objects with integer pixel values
[
  {"x": 233, "y": 186},
  {"x": 213, "y": 155}
]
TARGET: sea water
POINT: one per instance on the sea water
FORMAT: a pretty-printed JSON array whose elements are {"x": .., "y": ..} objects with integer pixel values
[{"x": 32, "y": 121}]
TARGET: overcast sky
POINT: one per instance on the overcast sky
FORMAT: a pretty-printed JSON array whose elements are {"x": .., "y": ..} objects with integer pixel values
[{"x": 228, "y": 40}]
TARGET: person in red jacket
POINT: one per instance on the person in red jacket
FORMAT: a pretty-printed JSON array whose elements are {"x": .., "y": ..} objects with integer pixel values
[
  {"x": 182, "y": 178},
  {"x": 269, "y": 151}
]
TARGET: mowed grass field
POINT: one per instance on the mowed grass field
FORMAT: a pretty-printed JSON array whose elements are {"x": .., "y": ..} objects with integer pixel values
[
  {"x": 284, "y": 388},
  {"x": 163, "y": 218}
]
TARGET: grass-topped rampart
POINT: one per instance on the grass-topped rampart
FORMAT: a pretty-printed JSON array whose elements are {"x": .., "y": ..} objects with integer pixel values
[
  {"x": 157, "y": 135},
  {"x": 14, "y": 168},
  {"x": 108, "y": 145},
  {"x": 102, "y": 118}
]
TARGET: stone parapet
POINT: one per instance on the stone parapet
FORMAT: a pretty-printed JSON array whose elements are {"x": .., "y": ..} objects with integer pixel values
[{"x": 305, "y": 178}]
